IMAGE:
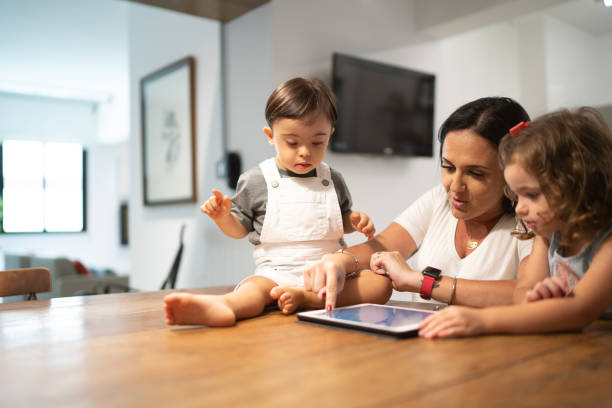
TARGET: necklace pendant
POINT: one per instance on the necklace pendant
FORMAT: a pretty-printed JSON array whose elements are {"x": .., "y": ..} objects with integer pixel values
[{"x": 472, "y": 244}]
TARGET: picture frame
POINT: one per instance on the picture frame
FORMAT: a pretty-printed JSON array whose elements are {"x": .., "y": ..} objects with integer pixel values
[{"x": 167, "y": 102}]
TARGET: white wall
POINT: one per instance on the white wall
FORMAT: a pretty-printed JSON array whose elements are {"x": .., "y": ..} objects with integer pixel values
[
  {"x": 157, "y": 38},
  {"x": 28, "y": 117},
  {"x": 75, "y": 50},
  {"x": 64, "y": 47},
  {"x": 251, "y": 69},
  {"x": 578, "y": 66},
  {"x": 308, "y": 32}
]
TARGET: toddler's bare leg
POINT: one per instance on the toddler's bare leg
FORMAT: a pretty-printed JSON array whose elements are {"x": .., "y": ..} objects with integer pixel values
[
  {"x": 247, "y": 301},
  {"x": 367, "y": 287},
  {"x": 251, "y": 297}
]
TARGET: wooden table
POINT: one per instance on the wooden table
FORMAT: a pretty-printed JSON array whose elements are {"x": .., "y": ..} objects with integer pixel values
[{"x": 115, "y": 350}]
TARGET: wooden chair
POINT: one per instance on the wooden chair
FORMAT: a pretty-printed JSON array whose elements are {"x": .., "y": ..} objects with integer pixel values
[{"x": 26, "y": 281}]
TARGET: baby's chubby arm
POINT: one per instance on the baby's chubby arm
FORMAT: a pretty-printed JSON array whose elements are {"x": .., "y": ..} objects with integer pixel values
[
  {"x": 358, "y": 221},
  {"x": 218, "y": 208}
]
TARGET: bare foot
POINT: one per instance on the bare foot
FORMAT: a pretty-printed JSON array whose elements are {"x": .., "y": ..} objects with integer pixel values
[
  {"x": 290, "y": 298},
  {"x": 208, "y": 310}
]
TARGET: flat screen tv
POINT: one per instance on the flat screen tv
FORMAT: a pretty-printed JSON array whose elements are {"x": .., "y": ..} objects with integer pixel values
[{"x": 382, "y": 109}]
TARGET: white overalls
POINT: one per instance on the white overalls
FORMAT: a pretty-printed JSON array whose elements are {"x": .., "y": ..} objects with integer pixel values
[{"x": 302, "y": 223}]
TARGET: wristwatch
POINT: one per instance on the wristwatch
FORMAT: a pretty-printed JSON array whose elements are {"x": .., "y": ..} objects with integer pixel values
[{"x": 430, "y": 275}]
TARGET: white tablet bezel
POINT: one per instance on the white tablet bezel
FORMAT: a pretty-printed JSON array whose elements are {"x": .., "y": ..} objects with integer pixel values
[{"x": 320, "y": 316}]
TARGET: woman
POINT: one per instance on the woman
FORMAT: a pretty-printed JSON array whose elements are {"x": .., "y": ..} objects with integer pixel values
[{"x": 461, "y": 228}]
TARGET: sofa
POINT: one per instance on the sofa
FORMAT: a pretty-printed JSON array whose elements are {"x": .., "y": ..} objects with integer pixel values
[{"x": 68, "y": 278}]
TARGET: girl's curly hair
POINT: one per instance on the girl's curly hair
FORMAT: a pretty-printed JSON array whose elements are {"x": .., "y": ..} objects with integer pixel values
[{"x": 570, "y": 154}]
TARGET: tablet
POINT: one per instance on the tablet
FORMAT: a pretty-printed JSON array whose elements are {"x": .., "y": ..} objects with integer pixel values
[{"x": 392, "y": 320}]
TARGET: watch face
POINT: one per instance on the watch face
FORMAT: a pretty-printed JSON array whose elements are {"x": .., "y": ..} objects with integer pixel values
[{"x": 433, "y": 272}]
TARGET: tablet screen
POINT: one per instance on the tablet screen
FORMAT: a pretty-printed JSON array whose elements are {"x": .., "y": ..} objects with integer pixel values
[
  {"x": 380, "y": 318},
  {"x": 380, "y": 315}
]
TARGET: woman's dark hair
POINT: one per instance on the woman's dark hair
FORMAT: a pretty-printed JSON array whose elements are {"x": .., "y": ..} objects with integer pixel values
[{"x": 490, "y": 118}]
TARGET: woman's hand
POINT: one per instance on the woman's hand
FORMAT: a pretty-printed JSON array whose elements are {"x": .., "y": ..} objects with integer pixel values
[
  {"x": 454, "y": 321},
  {"x": 393, "y": 265},
  {"x": 217, "y": 205},
  {"x": 326, "y": 278},
  {"x": 549, "y": 288},
  {"x": 361, "y": 222}
]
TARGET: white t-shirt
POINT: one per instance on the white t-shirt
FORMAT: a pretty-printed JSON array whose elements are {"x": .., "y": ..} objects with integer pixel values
[{"x": 432, "y": 226}]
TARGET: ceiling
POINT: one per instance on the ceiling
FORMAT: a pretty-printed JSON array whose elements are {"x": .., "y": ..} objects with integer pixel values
[
  {"x": 220, "y": 10},
  {"x": 589, "y": 16}
]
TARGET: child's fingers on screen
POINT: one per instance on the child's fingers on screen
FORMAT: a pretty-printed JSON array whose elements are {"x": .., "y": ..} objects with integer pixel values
[
  {"x": 429, "y": 327},
  {"x": 427, "y": 322},
  {"x": 442, "y": 324}
]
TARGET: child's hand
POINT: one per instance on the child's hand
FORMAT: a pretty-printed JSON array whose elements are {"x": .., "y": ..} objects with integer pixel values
[
  {"x": 454, "y": 321},
  {"x": 362, "y": 223},
  {"x": 217, "y": 205},
  {"x": 393, "y": 265},
  {"x": 549, "y": 288}
]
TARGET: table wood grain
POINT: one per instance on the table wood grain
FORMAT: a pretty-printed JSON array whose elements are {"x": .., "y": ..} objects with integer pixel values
[{"x": 116, "y": 351}]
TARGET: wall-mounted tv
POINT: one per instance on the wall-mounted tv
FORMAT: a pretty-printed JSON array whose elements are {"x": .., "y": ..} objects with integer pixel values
[{"x": 382, "y": 109}]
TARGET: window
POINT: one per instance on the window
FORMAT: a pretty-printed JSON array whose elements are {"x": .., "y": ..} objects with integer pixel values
[{"x": 43, "y": 187}]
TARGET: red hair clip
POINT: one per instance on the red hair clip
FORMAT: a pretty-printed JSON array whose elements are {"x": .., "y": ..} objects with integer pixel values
[{"x": 516, "y": 129}]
